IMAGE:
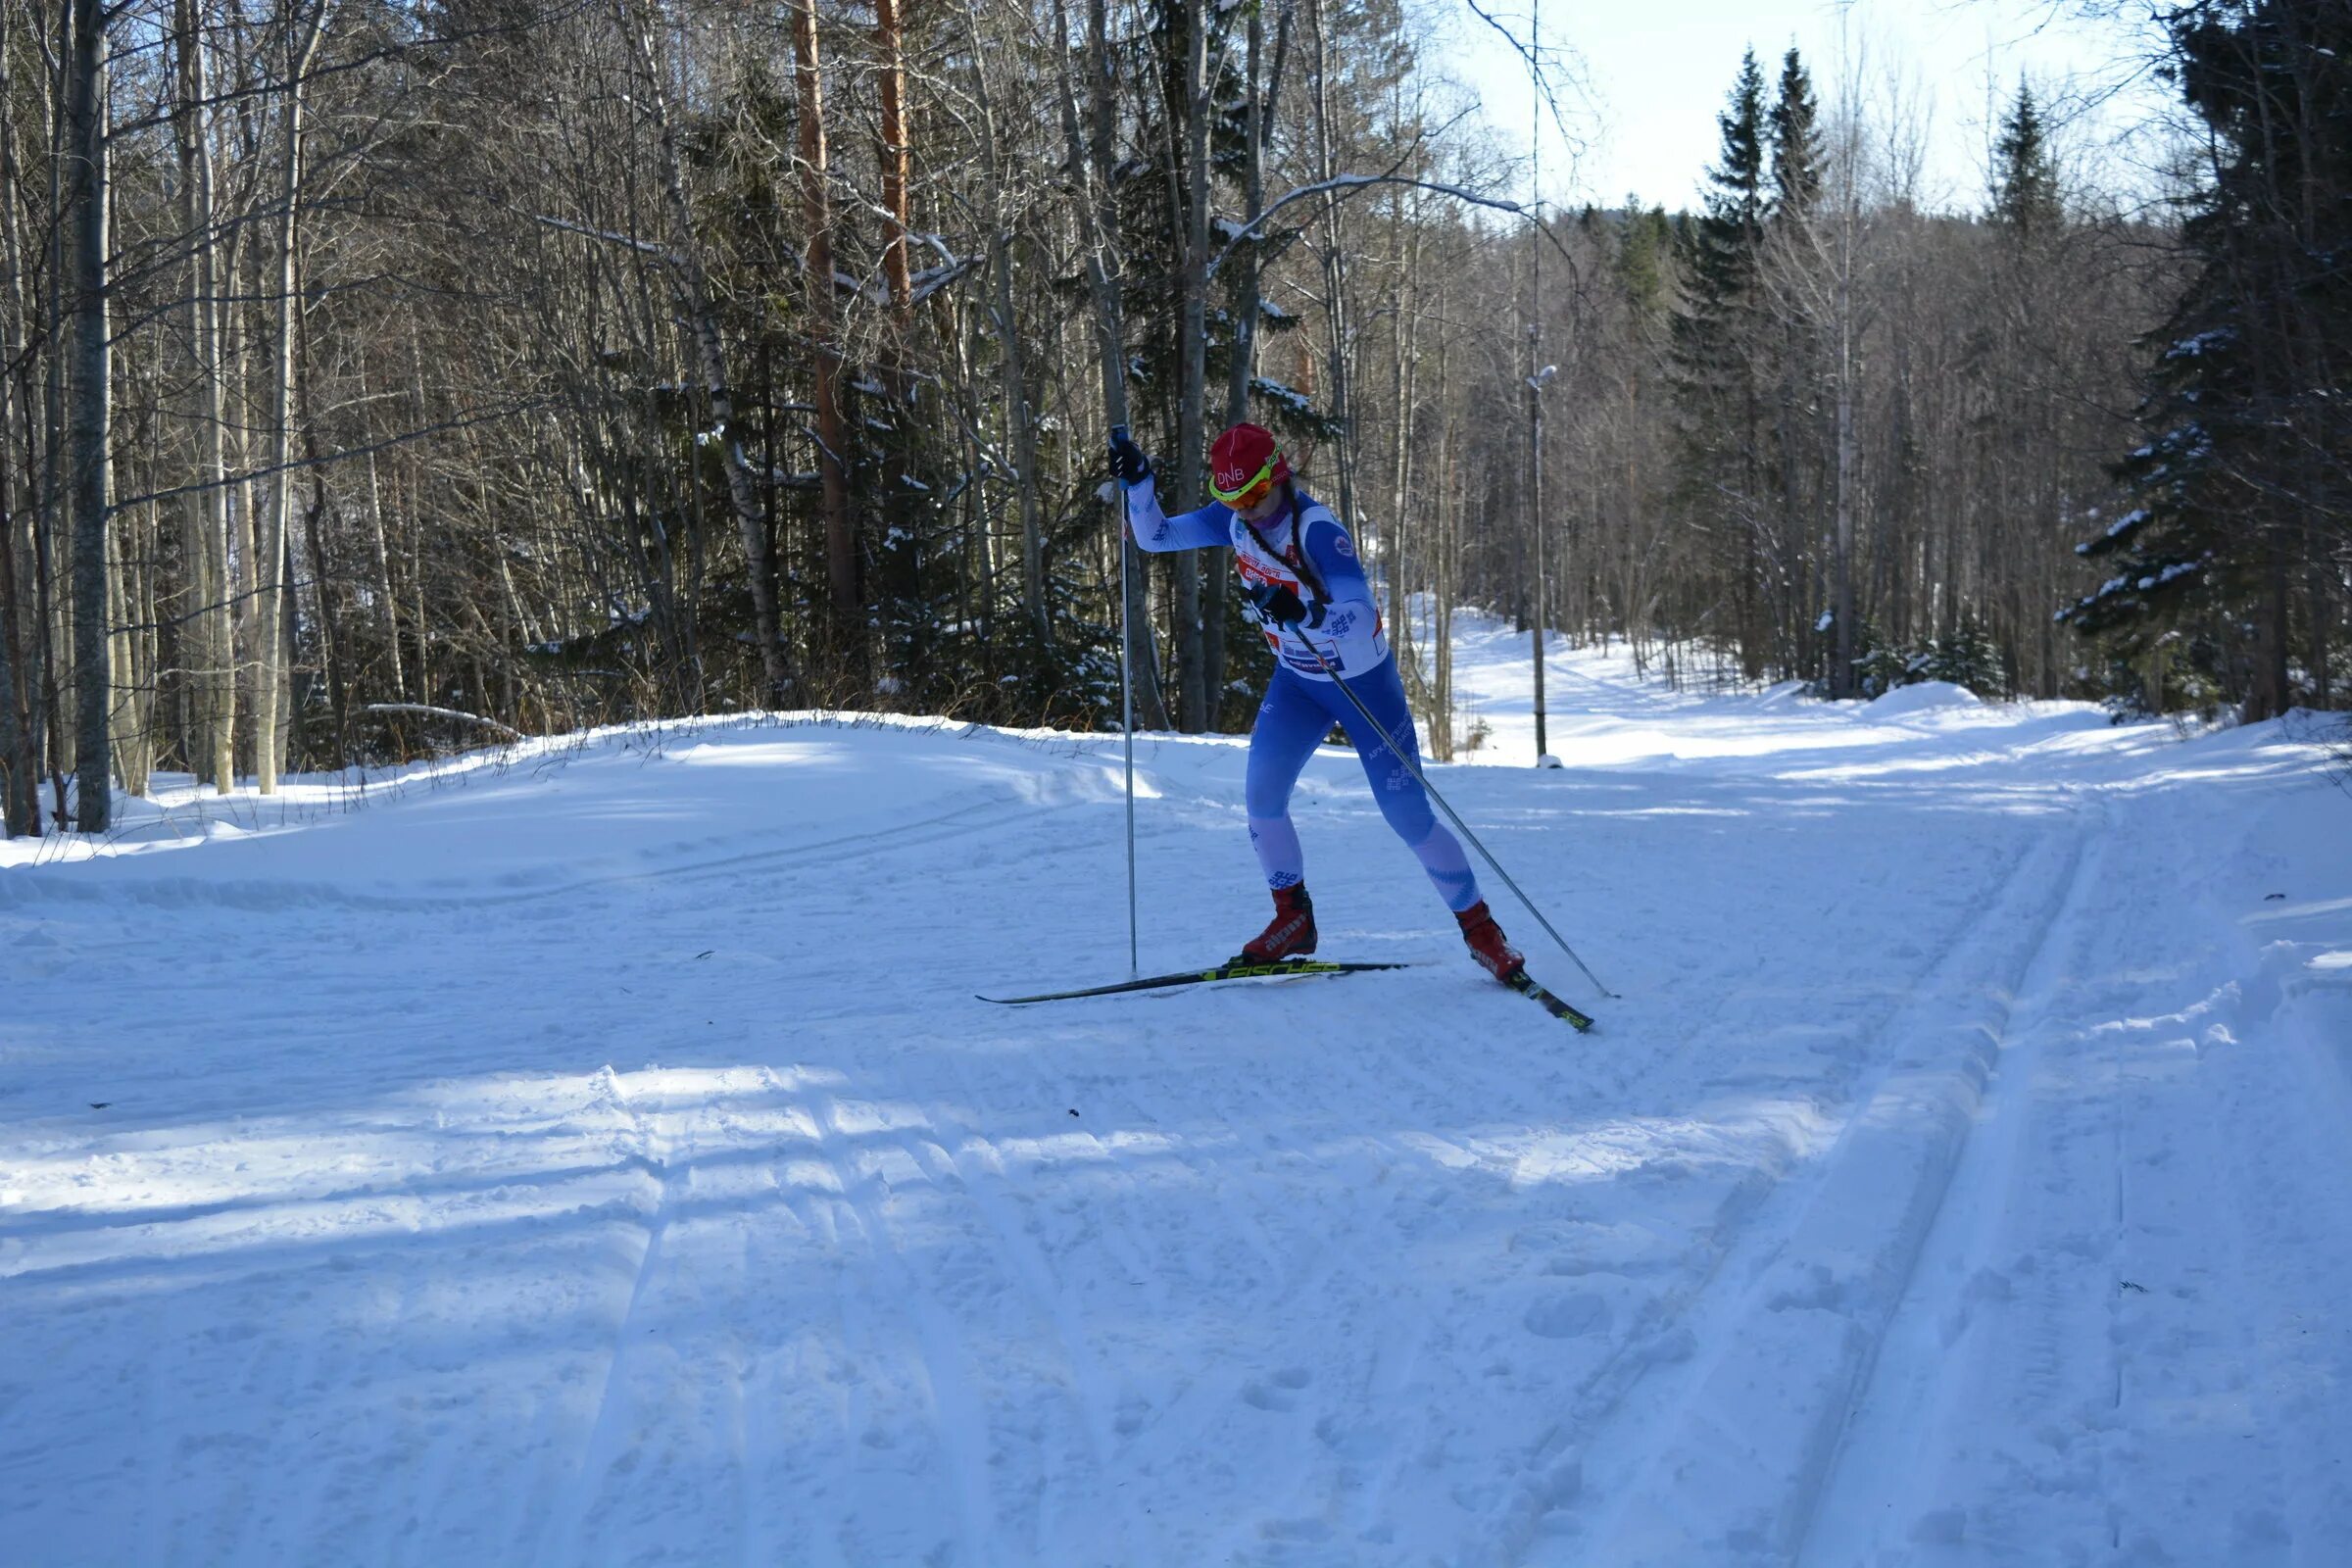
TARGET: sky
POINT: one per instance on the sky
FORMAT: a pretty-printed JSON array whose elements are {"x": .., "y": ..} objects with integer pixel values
[{"x": 1652, "y": 76}]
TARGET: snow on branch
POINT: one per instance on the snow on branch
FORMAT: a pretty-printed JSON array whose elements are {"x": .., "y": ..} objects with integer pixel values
[
  {"x": 1348, "y": 186},
  {"x": 920, "y": 285},
  {"x": 447, "y": 713},
  {"x": 607, "y": 236},
  {"x": 931, "y": 279}
]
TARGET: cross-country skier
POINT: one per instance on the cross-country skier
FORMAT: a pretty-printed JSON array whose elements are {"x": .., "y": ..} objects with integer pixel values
[{"x": 1301, "y": 573}]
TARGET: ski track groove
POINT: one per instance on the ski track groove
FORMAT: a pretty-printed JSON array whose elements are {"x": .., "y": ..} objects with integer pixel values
[
  {"x": 2041, "y": 1393},
  {"x": 852, "y": 1324},
  {"x": 650, "y": 1152},
  {"x": 1877, "y": 1445},
  {"x": 275, "y": 897},
  {"x": 977, "y": 1169},
  {"x": 2021, "y": 973},
  {"x": 2314, "y": 1498},
  {"x": 960, "y": 1427},
  {"x": 155, "y": 1528},
  {"x": 1745, "y": 1266}
]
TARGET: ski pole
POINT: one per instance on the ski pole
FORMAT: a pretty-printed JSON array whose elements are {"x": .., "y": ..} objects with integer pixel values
[
  {"x": 1452, "y": 816},
  {"x": 1127, "y": 725}
]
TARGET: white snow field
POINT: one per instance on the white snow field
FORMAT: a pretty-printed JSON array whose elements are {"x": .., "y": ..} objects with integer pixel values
[{"x": 599, "y": 1157}]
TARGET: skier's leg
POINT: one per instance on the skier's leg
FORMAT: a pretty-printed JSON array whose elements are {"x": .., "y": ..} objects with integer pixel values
[
  {"x": 1290, "y": 721},
  {"x": 1289, "y": 724},
  {"x": 1402, "y": 800}
]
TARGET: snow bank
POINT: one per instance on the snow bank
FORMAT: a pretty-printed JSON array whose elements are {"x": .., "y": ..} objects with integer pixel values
[{"x": 1924, "y": 697}]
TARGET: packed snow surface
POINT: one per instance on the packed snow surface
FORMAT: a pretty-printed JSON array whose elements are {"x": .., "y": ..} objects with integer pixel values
[{"x": 596, "y": 1154}]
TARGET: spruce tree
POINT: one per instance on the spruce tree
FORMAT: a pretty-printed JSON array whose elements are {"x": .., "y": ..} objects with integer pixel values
[
  {"x": 1802, "y": 299},
  {"x": 1716, "y": 348},
  {"x": 2026, "y": 309},
  {"x": 1729, "y": 232},
  {"x": 1642, "y": 260},
  {"x": 2025, "y": 175},
  {"x": 1795, "y": 141},
  {"x": 2245, "y": 475}
]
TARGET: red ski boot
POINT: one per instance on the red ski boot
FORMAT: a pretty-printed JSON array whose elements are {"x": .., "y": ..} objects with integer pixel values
[
  {"x": 1291, "y": 933},
  {"x": 1494, "y": 954}
]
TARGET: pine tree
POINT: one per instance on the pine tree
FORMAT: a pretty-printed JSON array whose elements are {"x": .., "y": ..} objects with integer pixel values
[{"x": 2246, "y": 474}]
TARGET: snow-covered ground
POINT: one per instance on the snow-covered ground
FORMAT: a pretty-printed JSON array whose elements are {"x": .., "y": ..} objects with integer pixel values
[{"x": 599, "y": 1157}]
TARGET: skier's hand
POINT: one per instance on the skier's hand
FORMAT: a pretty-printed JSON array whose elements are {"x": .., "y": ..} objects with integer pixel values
[
  {"x": 1276, "y": 603},
  {"x": 1127, "y": 460}
]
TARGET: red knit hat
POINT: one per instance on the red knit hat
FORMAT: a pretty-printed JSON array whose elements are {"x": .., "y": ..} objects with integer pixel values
[{"x": 1240, "y": 459}]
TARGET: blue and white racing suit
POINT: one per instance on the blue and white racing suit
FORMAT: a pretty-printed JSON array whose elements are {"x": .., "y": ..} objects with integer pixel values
[{"x": 1306, "y": 549}]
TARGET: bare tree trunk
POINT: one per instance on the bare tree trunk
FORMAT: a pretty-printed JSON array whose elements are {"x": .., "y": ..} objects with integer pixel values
[
  {"x": 241, "y": 272},
  {"x": 901, "y": 552},
  {"x": 1405, "y": 397},
  {"x": 841, "y": 542},
  {"x": 1090, "y": 165},
  {"x": 2273, "y": 691},
  {"x": 53, "y": 505},
  {"x": 1257, "y": 119},
  {"x": 1443, "y": 551},
  {"x": 90, "y": 416},
  {"x": 1192, "y": 703},
  {"x": 271, "y": 724},
  {"x": 20, "y": 765},
  {"x": 1841, "y": 607},
  {"x": 210, "y": 642},
  {"x": 322, "y": 585},
  {"x": 1335, "y": 273},
  {"x": 1020, "y": 423},
  {"x": 383, "y": 577},
  {"x": 130, "y": 617},
  {"x": 890, "y": 42},
  {"x": 19, "y": 804}
]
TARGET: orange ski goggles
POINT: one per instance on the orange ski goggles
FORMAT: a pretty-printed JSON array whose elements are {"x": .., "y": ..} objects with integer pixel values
[{"x": 1251, "y": 490}]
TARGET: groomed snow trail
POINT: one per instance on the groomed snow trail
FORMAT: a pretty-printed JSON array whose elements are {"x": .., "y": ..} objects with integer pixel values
[{"x": 602, "y": 1157}]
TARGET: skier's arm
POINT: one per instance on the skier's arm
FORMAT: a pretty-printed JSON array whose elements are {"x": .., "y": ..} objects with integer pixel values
[
  {"x": 1154, "y": 530},
  {"x": 1346, "y": 615}
]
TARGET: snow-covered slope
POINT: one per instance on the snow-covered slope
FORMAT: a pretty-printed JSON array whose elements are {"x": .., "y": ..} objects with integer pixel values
[{"x": 599, "y": 1157}]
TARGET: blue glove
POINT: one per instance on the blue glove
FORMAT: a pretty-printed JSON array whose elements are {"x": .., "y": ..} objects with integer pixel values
[
  {"x": 1127, "y": 460},
  {"x": 1276, "y": 603}
]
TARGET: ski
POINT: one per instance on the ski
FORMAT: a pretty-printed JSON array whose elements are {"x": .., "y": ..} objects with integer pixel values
[
  {"x": 1527, "y": 987},
  {"x": 1229, "y": 970}
]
